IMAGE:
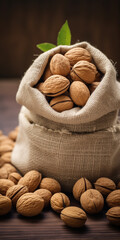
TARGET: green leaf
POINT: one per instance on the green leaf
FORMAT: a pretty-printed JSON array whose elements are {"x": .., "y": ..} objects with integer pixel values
[
  {"x": 64, "y": 35},
  {"x": 45, "y": 46}
]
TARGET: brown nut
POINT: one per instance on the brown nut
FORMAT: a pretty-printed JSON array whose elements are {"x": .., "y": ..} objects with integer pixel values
[
  {"x": 51, "y": 184},
  {"x": 5, "y": 205},
  {"x": 2, "y": 138},
  {"x": 4, "y": 148},
  {"x": 39, "y": 86},
  {"x": 99, "y": 76},
  {"x": 47, "y": 73},
  {"x": 15, "y": 192},
  {"x": 5, "y": 184},
  {"x": 59, "y": 201},
  {"x": 80, "y": 187},
  {"x": 79, "y": 93},
  {"x": 93, "y": 86},
  {"x": 6, "y": 157},
  {"x": 83, "y": 71},
  {"x": 92, "y": 201},
  {"x": 9, "y": 168},
  {"x": 3, "y": 173},
  {"x": 113, "y": 199},
  {"x": 61, "y": 103},
  {"x": 14, "y": 177},
  {"x": 13, "y": 135},
  {"x": 105, "y": 185},
  {"x": 55, "y": 86},
  {"x": 77, "y": 54},
  {"x": 8, "y": 142},
  {"x": 45, "y": 194},
  {"x": 60, "y": 65},
  {"x": 118, "y": 185},
  {"x": 73, "y": 216},
  {"x": 1, "y": 162},
  {"x": 31, "y": 179},
  {"x": 113, "y": 215},
  {"x": 30, "y": 204}
]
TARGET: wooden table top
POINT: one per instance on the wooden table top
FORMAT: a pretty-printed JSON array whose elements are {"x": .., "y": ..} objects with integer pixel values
[{"x": 47, "y": 225}]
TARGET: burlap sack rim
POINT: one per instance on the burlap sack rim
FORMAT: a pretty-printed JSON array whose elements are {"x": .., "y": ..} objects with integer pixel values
[
  {"x": 114, "y": 129},
  {"x": 75, "y": 115}
]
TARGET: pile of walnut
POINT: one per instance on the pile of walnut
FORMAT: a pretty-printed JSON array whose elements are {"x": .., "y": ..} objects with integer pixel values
[
  {"x": 69, "y": 79},
  {"x": 30, "y": 194}
]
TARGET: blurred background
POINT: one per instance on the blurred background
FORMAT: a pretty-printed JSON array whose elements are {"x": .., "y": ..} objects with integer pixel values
[{"x": 23, "y": 24}]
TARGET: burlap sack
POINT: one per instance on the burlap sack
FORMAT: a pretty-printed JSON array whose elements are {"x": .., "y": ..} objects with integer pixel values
[{"x": 79, "y": 142}]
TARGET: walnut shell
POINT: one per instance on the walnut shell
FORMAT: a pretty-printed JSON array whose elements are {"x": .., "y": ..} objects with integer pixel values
[
  {"x": 80, "y": 187},
  {"x": 55, "y": 85},
  {"x": 83, "y": 71},
  {"x": 47, "y": 73},
  {"x": 3, "y": 173},
  {"x": 9, "y": 142},
  {"x": 93, "y": 86},
  {"x": 45, "y": 194},
  {"x": 60, "y": 65},
  {"x": 15, "y": 192},
  {"x": 92, "y": 201},
  {"x": 5, "y": 205},
  {"x": 59, "y": 201},
  {"x": 113, "y": 199},
  {"x": 31, "y": 179},
  {"x": 113, "y": 215},
  {"x": 6, "y": 157},
  {"x": 61, "y": 103},
  {"x": 13, "y": 135},
  {"x": 14, "y": 177},
  {"x": 9, "y": 168},
  {"x": 77, "y": 54},
  {"x": 79, "y": 93},
  {"x": 2, "y": 138},
  {"x": 5, "y": 148},
  {"x": 73, "y": 216},
  {"x": 51, "y": 184},
  {"x": 5, "y": 184},
  {"x": 105, "y": 185},
  {"x": 6, "y": 169},
  {"x": 118, "y": 185},
  {"x": 30, "y": 204}
]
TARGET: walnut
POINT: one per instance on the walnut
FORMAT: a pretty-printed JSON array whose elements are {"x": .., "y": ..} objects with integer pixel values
[
  {"x": 30, "y": 204},
  {"x": 80, "y": 187},
  {"x": 61, "y": 103},
  {"x": 79, "y": 93},
  {"x": 105, "y": 185},
  {"x": 59, "y": 64},
  {"x": 113, "y": 215},
  {"x": 59, "y": 201},
  {"x": 31, "y": 179},
  {"x": 77, "y": 54},
  {"x": 113, "y": 199},
  {"x": 51, "y": 184},
  {"x": 83, "y": 71},
  {"x": 73, "y": 216},
  {"x": 92, "y": 201}
]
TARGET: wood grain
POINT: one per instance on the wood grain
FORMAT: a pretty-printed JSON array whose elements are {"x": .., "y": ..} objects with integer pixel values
[
  {"x": 47, "y": 225},
  {"x": 23, "y": 24}
]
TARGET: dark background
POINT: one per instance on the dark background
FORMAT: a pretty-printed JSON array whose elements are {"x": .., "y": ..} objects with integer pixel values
[{"x": 25, "y": 23}]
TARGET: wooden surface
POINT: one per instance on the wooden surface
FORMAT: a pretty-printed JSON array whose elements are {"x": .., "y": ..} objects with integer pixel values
[
  {"x": 24, "y": 24},
  {"x": 48, "y": 224}
]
